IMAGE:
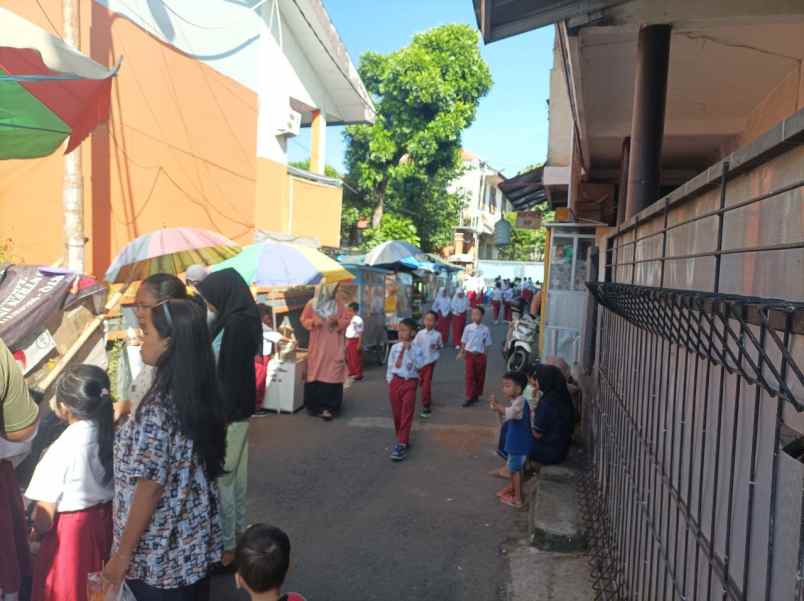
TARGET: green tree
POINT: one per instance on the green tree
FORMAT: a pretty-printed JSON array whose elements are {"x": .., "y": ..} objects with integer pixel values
[
  {"x": 526, "y": 244},
  {"x": 392, "y": 227},
  {"x": 425, "y": 94},
  {"x": 329, "y": 170}
]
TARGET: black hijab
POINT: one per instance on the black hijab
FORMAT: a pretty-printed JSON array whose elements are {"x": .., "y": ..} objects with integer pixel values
[
  {"x": 239, "y": 320},
  {"x": 552, "y": 383}
]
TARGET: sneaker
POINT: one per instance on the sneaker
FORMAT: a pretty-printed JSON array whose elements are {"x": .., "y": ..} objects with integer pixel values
[
  {"x": 468, "y": 403},
  {"x": 400, "y": 452},
  {"x": 426, "y": 412}
]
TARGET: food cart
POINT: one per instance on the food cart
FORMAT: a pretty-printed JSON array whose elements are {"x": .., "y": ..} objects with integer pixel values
[{"x": 368, "y": 290}]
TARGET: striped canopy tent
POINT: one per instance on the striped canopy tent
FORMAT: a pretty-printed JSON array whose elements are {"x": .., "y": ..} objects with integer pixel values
[{"x": 50, "y": 92}]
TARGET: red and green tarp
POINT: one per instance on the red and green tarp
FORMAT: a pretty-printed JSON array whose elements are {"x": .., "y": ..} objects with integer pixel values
[{"x": 41, "y": 108}]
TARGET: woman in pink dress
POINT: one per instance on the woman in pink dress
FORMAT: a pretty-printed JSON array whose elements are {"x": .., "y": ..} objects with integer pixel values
[{"x": 327, "y": 319}]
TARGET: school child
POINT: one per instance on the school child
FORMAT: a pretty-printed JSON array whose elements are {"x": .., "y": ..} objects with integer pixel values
[
  {"x": 72, "y": 489},
  {"x": 404, "y": 362},
  {"x": 443, "y": 310},
  {"x": 429, "y": 341},
  {"x": 458, "y": 306},
  {"x": 508, "y": 300},
  {"x": 518, "y": 436},
  {"x": 496, "y": 301},
  {"x": 262, "y": 557},
  {"x": 354, "y": 342},
  {"x": 474, "y": 342}
]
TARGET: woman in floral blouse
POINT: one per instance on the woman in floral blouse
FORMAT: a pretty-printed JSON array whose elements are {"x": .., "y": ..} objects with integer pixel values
[{"x": 167, "y": 456}]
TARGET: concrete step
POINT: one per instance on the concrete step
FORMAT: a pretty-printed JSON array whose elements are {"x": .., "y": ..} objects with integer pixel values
[
  {"x": 543, "y": 576},
  {"x": 554, "y": 519}
]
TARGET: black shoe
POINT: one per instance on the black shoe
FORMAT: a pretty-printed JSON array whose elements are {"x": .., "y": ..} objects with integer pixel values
[{"x": 468, "y": 403}]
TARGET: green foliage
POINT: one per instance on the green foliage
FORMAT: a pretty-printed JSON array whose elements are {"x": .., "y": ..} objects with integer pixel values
[
  {"x": 425, "y": 94},
  {"x": 392, "y": 227},
  {"x": 526, "y": 244}
]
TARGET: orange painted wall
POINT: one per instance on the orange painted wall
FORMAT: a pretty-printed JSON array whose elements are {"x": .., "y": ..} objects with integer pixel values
[
  {"x": 316, "y": 211},
  {"x": 179, "y": 149}
]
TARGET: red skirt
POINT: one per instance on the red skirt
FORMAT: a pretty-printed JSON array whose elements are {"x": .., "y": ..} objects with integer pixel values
[
  {"x": 78, "y": 544},
  {"x": 16, "y": 557}
]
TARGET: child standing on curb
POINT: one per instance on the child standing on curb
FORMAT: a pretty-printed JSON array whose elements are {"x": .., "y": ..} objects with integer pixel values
[
  {"x": 354, "y": 342},
  {"x": 518, "y": 437},
  {"x": 474, "y": 342},
  {"x": 430, "y": 343},
  {"x": 402, "y": 376}
]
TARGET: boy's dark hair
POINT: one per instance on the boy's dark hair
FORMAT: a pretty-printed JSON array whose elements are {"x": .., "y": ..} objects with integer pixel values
[
  {"x": 264, "y": 310},
  {"x": 411, "y": 323},
  {"x": 262, "y": 557},
  {"x": 517, "y": 377},
  {"x": 354, "y": 307},
  {"x": 433, "y": 313},
  {"x": 481, "y": 309}
]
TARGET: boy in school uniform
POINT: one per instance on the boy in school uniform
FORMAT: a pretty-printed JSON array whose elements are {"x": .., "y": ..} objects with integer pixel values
[
  {"x": 474, "y": 342},
  {"x": 404, "y": 362},
  {"x": 354, "y": 342},
  {"x": 430, "y": 343}
]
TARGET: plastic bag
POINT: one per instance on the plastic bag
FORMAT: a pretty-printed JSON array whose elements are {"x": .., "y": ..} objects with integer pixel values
[{"x": 95, "y": 590}]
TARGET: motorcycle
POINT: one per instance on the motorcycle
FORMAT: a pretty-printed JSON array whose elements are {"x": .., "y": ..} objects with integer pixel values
[{"x": 521, "y": 344}]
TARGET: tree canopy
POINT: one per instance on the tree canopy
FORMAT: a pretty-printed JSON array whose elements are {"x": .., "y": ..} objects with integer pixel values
[{"x": 425, "y": 95}]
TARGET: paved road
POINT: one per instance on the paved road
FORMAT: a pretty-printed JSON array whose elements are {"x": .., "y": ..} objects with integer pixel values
[{"x": 364, "y": 528}]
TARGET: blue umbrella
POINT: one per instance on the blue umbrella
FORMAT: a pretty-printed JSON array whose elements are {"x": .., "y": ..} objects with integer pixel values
[{"x": 394, "y": 251}]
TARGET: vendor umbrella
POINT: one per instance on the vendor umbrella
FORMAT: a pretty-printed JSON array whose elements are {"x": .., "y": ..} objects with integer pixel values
[
  {"x": 285, "y": 264},
  {"x": 170, "y": 250},
  {"x": 50, "y": 92},
  {"x": 394, "y": 251}
]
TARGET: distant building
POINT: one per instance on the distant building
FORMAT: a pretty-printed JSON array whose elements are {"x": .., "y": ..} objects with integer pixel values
[{"x": 483, "y": 206}]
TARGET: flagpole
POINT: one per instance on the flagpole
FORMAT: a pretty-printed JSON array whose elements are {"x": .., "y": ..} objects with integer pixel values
[{"x": 73, "y": 190}]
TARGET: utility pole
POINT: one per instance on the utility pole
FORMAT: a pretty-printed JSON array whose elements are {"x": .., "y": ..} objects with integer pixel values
[{"x": 73, "y": 192}]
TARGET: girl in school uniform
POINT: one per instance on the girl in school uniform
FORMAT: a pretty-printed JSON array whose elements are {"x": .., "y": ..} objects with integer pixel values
[
  {"x": 442, "y": 307},
  {"x": 459, "y": 305},
  {"x": 72, "y": 489}
]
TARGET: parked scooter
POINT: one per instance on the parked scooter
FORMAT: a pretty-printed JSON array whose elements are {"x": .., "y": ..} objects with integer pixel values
[{"x": 521, "y": 344}]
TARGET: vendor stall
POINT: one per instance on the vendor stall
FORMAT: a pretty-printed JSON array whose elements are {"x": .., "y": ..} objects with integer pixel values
[{"x": 368, "y": 290}]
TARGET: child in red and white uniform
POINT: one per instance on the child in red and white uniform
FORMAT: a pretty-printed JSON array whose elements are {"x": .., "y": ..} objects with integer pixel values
[
  {"x": 442, "y": 307},
  {"x": 72, "y": 490},
  {"x": 508, "y": 300},
  {"x": 354, "y": 342},
  {"x": 496, "y": 301},
  {"x": 429, "y": 341},
  {"x": 459, "y": 306},
  {"x": 404, "y": 362},
  {"x": 476, "y": 339}
]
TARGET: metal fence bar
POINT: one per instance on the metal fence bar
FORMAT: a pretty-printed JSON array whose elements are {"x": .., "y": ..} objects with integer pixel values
[{"x": 661, "y": 490}]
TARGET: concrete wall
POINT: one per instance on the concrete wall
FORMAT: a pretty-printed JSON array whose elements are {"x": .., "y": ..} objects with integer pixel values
[
  {"x": 315, "y": 211},
  {"x": 781, "y": 102},
  {"x": 559, "y": 150}
]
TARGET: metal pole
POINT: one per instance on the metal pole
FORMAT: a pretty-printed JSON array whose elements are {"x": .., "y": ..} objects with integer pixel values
[
  {"x": 73, "y": 190},
  {"x": 647, "y": 123}
]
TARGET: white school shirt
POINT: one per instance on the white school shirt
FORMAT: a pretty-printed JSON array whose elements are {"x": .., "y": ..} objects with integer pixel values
[
  {"x": 442, "y": 306},
  {"x": 508, "y": 295},
  {"x": 430, "y": 343},
  {"x": 496, "y": 294},
  {"x": 412, "y": 362},
  {"x": 355, "y": 327},
  {"x": 458, "y": 305},
  {"x": 70, "y": 473},
  {"x": 476, "y": 338}
]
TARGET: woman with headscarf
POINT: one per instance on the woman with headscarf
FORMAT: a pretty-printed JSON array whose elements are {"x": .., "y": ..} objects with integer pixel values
[
  {"x": 236, "y": 334},
  {"x": 326, "y": 319},
  {"x": 458, "y": 307},
  {"x": 442, "y": 307},
  {"x": 554, "y": 417}
]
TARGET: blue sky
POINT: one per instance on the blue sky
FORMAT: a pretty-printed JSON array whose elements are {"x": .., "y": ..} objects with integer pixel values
[{"x": 510, "y": 131}]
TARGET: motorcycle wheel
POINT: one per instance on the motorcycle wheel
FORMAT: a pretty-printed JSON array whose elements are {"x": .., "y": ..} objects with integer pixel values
[{"x": 518, "y": 360}]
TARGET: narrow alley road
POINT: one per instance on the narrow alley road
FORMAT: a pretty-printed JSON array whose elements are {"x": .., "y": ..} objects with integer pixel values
[{"x": 364, "y": 528}]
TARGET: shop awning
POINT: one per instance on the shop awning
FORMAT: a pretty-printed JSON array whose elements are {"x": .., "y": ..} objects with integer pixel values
[
  {"x": 50, "y": 91},
  {"x": 524, "y": 190}
]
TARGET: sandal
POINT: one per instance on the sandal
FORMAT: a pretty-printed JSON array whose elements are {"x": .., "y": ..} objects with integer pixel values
[
  {"x": 511, "y": 502},
  {"x": 505, "y": 492}
]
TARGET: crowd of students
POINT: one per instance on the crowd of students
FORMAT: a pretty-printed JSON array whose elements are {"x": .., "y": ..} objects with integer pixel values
[{"x": 150, "y": 490}]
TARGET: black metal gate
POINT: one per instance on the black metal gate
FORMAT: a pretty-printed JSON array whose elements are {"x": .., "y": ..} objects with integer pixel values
[{"x": 690, "y": 493}]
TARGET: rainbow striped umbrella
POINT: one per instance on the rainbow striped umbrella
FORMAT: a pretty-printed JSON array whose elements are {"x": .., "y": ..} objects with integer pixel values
[
  {"x": 285, "y": 264},
  {"x": 49, "y": 91},
  {"x": 170, "y": 250}
]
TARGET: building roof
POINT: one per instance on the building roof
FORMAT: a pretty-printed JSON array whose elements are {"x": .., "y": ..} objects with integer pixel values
[{"x": 524, "y": 190}]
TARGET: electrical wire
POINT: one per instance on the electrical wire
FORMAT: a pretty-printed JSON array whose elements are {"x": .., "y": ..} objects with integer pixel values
[{"x": 52, "y": 26}]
